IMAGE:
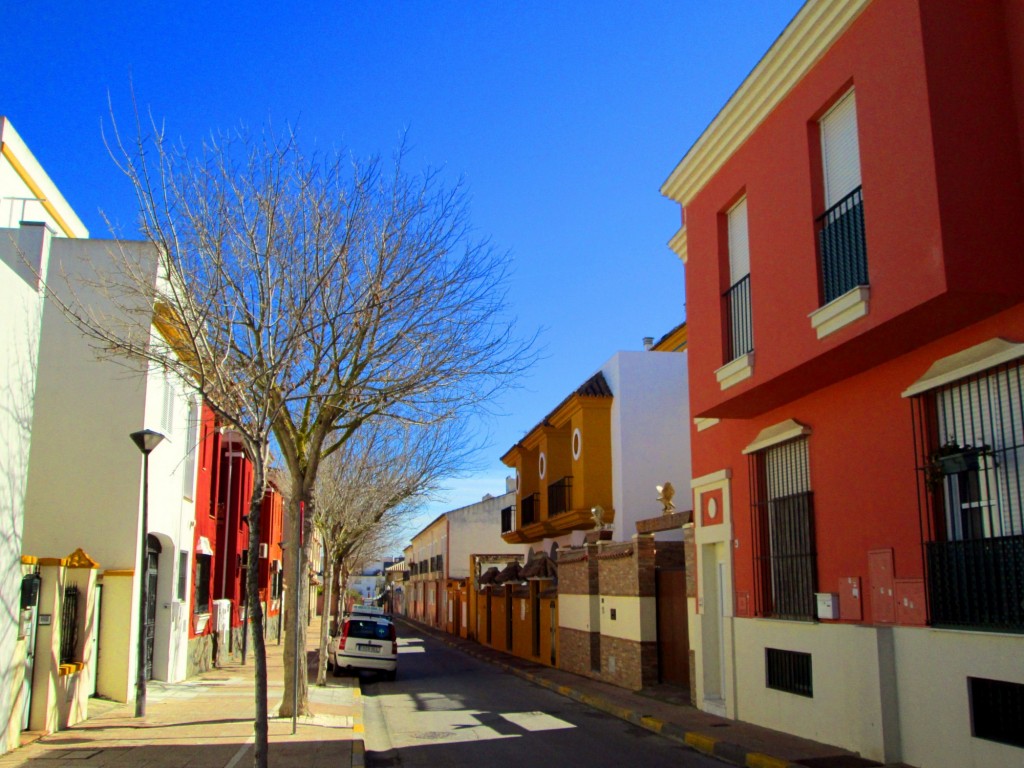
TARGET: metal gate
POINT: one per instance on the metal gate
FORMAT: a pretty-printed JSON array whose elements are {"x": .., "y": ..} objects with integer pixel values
[
  {"x": 30, "y": 585},
  {"x": 673, "y": 627},
  {"x": 152, "y": 566}
]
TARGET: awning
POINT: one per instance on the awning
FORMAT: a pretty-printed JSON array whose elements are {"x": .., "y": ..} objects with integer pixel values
[
  {"x": 203, "y": 547},
  {"x": 972, "y": 360}
]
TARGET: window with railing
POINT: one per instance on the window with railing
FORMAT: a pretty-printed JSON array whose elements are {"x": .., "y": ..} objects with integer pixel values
[
  {"x": 997, "y": 710},
  {"x": 531, "y": 507},
  {"x": 508, "y": 519},
  {"x": 842, "y": 247},
  {"x": 840, "y": 229},
  {"x": 785, "y": 559},
  {"x": 788, "y": 671},
  {"x": 202, "y": 583},
  {"x": 560, "y": 496},
  {"x": 740, "y": 337},
  {"x": 970, "y": 447}
]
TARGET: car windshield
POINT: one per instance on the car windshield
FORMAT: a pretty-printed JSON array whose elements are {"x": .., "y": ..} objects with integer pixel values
[{"x": 368, "y": 629}]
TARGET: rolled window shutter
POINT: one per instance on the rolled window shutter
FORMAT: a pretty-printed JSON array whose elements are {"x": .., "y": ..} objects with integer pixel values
[
  {"x": 840, "y": 150},
  {"x": 739, "y": 244}
]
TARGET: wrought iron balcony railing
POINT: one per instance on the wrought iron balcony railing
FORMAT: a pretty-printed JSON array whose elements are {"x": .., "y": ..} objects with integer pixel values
[
  {"x": 842, "y": 247},
  {"x": 977, "y": 583},
  {"x": 740, "y": 337},
  {"x": 530, "y": 510},
  {"x": 560, "y": 496}
]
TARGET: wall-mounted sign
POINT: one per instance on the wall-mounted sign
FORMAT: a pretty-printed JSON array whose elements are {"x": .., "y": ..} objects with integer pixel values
[{"x": 45, "y": 619}]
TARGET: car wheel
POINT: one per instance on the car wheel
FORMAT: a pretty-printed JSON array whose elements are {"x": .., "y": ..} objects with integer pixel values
[
  {"x": 391, "y": 675},
  {"x": 337, "y": 669}
]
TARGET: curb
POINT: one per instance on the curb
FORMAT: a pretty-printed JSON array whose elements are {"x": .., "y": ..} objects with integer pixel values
[
  {"x": 358, "y": 729},
  {"x": 695, "y": 740}
]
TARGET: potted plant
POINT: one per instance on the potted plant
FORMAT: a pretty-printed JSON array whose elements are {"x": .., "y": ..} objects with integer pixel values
[{"x": 951, "y": 458}]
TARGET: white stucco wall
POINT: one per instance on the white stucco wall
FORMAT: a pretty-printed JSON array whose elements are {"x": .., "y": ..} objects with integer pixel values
[
  {"x": 650, "y": 434},
  {"x": 85, "y": 480},
  {"x": 21, "y": 300},
  {"x": 932, "y": 669},
  {"x": 476, "y": 529}
]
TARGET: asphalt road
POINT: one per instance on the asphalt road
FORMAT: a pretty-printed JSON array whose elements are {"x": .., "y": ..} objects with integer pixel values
[{"x": 449, "y": 709}]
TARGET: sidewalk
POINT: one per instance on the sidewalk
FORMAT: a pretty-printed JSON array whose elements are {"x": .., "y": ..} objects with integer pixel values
[
  {"x": 664, "y": 711},
  {"x": 207, "y": 722}
]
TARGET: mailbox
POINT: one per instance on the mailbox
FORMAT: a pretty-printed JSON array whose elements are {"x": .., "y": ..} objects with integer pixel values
[{"x": 828, "y": 605}]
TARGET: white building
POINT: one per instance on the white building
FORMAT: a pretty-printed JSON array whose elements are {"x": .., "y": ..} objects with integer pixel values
[
  {"x": 32, "y": 214},
  {"x": 84, "y": 484}
]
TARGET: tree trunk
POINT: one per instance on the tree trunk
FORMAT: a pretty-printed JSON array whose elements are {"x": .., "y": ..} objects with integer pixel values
[
  {"x": 325, "y": 621},
  {"x": 296, "y": 687},
  {"x": 252, "y": 589}
]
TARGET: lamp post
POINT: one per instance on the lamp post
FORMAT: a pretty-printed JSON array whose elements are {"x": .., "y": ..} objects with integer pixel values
[{"x": 146, "y": 440}]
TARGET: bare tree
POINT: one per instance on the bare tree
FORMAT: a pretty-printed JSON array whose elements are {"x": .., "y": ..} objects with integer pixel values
[
  {"x": 304, "y": 295},
  {"x": 369, "y": 487}
]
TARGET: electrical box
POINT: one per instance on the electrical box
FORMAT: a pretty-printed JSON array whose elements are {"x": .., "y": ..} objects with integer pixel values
[{"x": 828, "y": 605}]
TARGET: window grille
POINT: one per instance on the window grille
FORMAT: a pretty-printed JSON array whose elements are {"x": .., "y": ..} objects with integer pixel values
[
  {"x": 997, "y": 710},
  {"x": 785, "y": 559},
  {"x": 69, "y": 625},
  {"x": 788, "y": 671},
  {"x": 189, "y": 477},
  {"x": 970, "y": 452},
  {"x": 508, "y": 519},
  {"x": 202, "y": 585},
  {"x": 182, "y": 575}
]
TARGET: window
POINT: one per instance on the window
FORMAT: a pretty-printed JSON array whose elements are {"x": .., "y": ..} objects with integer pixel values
[
  {"x": 997, "y": 710},
  {"x": 788, "y": 671},
  {"x": 202, "y": 585},
  {"x": 275, "y": 580},
  {"x": 189, "y": 478},
  {"x": 167, "y": 413},
  {"x": 182, "y": 575},
  {"x": 785, "y": 562},
  {"x": 841, "y": 242},
  {"x": 971, "y": 461},
  {"x": 740, "y": 337}
]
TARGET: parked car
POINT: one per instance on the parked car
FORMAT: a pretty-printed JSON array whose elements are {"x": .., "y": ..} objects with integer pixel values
[{"x": 365, "y": 642}]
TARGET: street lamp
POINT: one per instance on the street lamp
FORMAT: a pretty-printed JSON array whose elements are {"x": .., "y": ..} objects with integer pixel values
[{"x": 146, "y": 440}]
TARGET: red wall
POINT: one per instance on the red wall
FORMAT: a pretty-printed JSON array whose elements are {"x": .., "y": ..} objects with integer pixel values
[
  {"x": 205, "y": 501},
  {"x": 940, "y": 109},
  {"x": 937, "y": 83}
]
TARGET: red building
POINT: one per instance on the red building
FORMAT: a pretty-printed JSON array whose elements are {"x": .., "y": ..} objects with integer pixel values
[
  {"x": 223, "y": 489},
  {"x": 854, "y": 291}
]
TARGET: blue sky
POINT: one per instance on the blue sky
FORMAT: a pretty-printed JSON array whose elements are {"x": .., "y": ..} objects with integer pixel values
[{"x": 563, "y": 119}]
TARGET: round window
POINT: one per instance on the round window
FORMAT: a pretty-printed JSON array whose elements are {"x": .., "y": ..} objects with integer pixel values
[
  {"x": 712, "y": 507},
  {"x": 577, "y": 441},
  {"x": 542, "y": 465}
]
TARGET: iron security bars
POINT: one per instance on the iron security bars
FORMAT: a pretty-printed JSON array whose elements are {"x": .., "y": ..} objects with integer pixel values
[
  {"x": 785, "y": 557},
  {"x": 970, "y": 454},
  {"x": 788, "y": 671},
  {"x": 740, "y": 337},
  {"x": 530, "y": 508},
  {"x": 560, "y": 496},
  {"x": 69, "y": 625},
  {"x": 508, "y": 519},
  {"x": 842, "y": 247}
]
